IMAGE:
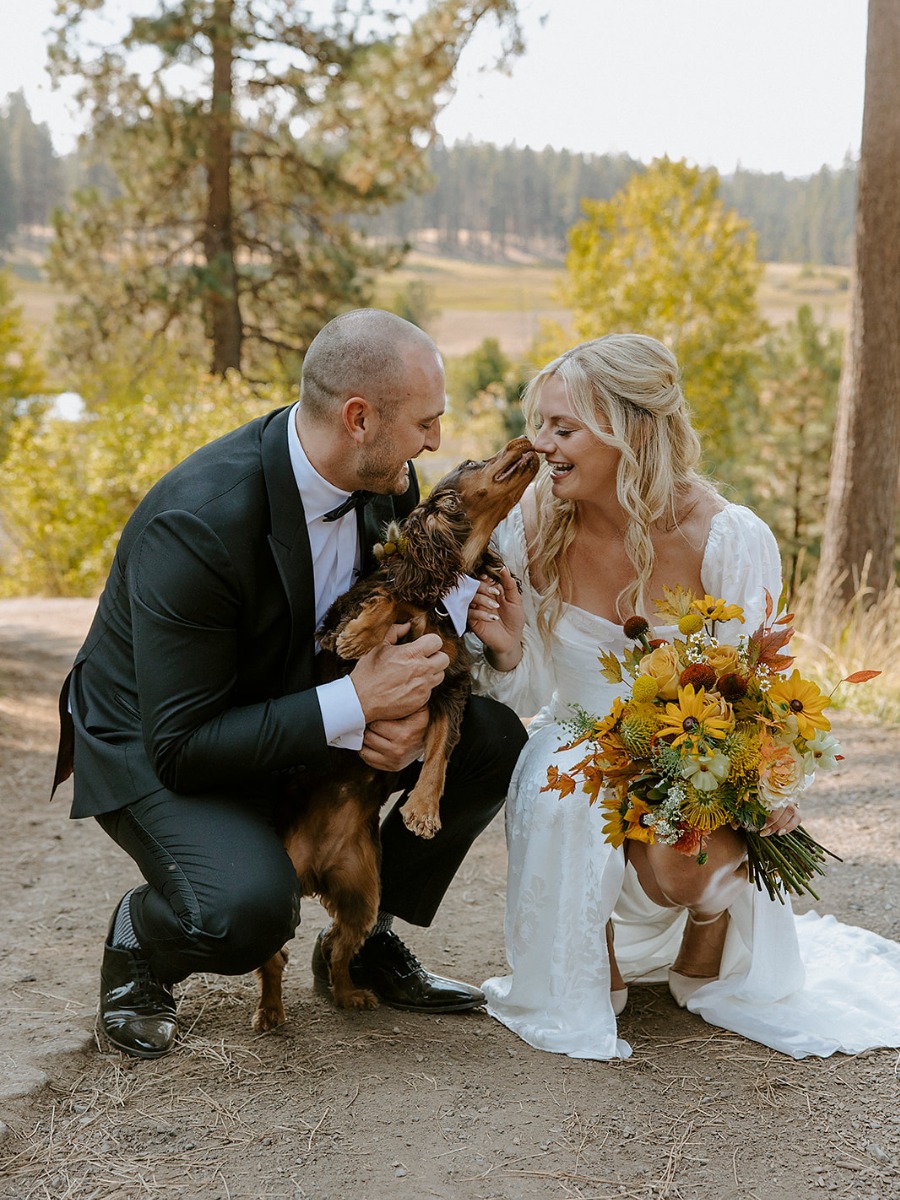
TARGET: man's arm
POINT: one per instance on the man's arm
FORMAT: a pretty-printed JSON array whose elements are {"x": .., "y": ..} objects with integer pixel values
[{"x": 186, "y": 603}]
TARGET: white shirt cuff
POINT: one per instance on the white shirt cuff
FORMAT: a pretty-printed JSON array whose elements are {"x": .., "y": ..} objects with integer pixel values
[{"x": 342, "y": 714}]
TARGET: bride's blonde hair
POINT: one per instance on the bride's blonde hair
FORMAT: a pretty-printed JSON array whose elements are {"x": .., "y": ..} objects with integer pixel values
[{"x": 624, "y": 388}]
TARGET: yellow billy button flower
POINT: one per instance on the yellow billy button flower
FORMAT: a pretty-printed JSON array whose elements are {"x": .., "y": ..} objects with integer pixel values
[
  {"x": 694, "y": 716},
  {"x": 711, "y": 609},
  {"x": 690, "y": 623},
  {"x": 644, "y": 689},
  {"x": 803, "y": 700}
]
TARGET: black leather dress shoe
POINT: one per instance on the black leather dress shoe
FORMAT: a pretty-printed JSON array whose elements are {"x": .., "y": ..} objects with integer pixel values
[
  {"x": 137, "y": 1012},
  {"x": 387, "y": 967}
]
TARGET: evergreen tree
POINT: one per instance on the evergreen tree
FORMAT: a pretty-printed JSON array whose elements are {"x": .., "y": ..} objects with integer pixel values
[
  {"x": 861, "y": 526},
  {"x": 33, "y": 163},
  {"x": 667, "y": 258},
  {"x": 243, "y": 140}
]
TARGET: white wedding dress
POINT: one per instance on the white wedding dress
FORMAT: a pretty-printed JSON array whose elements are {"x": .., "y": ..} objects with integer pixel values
[{"x": 802, "y": 985}]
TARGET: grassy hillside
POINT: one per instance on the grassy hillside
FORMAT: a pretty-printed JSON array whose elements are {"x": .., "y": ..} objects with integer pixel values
[{"x": 507, "y": 301}]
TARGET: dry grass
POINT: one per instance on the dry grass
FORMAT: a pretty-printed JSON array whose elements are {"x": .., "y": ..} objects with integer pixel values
[
  {"x": 863, "y": 635},
  {"x": 506, "y": 300}
]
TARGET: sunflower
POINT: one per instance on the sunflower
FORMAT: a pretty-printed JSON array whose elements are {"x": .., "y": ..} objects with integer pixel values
[
  {"x": 803, "y": 700},
  {"x": 703, "y": 810},
  {"x": 711, "y": 609},
  {"x": 694, "y": 716}
]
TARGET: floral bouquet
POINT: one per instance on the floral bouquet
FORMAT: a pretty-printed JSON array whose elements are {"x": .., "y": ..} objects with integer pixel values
[{"x": 711, "y": 734}]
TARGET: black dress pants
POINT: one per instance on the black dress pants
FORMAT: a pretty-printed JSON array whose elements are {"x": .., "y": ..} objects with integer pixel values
[{"x": 221, "y": 893}]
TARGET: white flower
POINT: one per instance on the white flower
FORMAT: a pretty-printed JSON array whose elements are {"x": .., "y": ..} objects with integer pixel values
[
  {"x": 821, "y": 752},
  {"x": 706, "y": 771}
]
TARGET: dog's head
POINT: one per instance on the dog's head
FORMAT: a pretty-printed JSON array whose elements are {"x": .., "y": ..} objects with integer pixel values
[{"x": 455, "y": 522}]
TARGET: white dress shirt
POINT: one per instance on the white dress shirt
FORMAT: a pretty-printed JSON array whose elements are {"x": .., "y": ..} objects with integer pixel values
[{"x": 335, "y": 557}]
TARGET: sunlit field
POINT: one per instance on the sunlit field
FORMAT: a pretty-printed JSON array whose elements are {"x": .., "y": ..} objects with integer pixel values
[{"x": 475, "y": 300}]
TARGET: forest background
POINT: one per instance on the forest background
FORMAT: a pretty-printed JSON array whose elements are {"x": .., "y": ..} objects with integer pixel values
[{"x": 113, "y": 289}]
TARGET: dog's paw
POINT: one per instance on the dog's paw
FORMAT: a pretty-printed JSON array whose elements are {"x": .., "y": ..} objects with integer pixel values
[
  {"x": 420, "y": 820},
  {"x": 267, "y": 1017},
  {"x": 353, "y": 641},
  {"x": 358, "y": 998}
]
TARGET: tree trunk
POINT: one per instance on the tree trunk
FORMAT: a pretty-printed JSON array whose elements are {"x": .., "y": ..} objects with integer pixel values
[
  {"x": 221, "y": 300},
  {"x": 861, "y": 516}
]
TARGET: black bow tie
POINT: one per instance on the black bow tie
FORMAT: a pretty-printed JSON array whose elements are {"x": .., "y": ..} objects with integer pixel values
[{"x": 358, "y": 499}]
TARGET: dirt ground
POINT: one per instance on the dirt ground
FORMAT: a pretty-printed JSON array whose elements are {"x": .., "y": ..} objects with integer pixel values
[{"x": 386, "y": 1104}]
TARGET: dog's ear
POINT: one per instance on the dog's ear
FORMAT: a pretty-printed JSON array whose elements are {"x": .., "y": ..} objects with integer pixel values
[{"x": 435, "y": 534}]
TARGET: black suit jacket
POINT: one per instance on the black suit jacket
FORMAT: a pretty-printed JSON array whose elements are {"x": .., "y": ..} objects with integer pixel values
[{"x": 197, "y": 673}]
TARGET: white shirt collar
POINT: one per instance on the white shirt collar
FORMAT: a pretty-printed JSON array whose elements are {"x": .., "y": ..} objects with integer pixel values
[{"x": 319, "y": 496}]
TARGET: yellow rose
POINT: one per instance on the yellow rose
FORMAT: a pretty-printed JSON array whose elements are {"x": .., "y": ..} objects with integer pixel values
[
  {"x": 663, "y": 667},
  {"x": 720, "y": 709},
  {"x": 724, "y": 660}
]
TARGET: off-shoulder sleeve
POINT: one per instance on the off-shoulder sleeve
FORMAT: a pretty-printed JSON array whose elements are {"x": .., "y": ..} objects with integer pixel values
[
  {"x": 528, "y": 687},
  {"x": 741, "y": 563}
]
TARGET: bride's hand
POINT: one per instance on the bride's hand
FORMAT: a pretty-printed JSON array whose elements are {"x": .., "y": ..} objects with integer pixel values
[
  {"x": 497, "y": 617},
  {"x": 782, "y": 820}
]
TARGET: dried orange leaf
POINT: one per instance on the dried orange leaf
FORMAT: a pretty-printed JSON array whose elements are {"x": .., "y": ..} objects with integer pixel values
[{"x": 860, "y": 676}]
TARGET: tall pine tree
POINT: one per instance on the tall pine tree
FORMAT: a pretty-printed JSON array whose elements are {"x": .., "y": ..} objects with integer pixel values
[{"x": 248, "y": 145}]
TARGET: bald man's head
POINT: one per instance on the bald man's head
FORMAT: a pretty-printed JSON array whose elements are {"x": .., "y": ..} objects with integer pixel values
[{"x": 364, "y": 352}]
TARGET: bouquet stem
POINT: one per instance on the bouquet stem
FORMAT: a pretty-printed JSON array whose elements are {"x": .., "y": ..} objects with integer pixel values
[{"x": 785, "y": 863}]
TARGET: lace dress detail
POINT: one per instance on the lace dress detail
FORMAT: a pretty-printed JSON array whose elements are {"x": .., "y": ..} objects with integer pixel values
[{"x": 801, "y": 985}]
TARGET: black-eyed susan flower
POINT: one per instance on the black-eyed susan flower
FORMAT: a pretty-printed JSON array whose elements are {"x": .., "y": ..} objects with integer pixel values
[
  {"x": 803, "y": 700},
  {"x": 712, "y": 609},
  {"x": 615, "y": 830},
  {"x": 635, "y": 828},
  {"x": 695, "y": 716}
]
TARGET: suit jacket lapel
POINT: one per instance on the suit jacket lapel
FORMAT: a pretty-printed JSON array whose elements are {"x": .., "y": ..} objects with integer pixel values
[{"x": 289, "y": 543}]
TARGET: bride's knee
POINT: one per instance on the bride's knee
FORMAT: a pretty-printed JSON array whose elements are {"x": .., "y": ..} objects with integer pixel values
[{"x": 680, "y": 881}]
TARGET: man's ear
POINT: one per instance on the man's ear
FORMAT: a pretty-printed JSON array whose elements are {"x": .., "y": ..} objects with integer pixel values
[{"x": 358, "y": 417}]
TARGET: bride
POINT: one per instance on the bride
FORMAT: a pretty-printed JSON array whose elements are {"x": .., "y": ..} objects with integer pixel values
[{"x": 617, "y": 512}]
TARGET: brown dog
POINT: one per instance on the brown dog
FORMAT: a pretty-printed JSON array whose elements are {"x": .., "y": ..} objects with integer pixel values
[{"x": 331, "y": 826}]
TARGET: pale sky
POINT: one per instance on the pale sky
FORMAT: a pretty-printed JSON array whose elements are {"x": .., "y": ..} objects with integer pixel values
[{"x": 772, "y": 85}]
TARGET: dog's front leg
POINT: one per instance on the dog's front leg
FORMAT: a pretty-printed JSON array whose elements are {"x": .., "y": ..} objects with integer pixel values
[
  {"x": 367, "y": 630},
  {"x": 421, "y": 812},
  {"x": 270, "y": 1006}
]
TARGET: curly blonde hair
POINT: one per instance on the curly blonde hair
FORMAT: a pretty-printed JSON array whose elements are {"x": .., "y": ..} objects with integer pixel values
[{"x": 624, "y": 388}]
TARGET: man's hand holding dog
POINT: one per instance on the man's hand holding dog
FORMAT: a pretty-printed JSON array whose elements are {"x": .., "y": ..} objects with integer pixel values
[{"x": 394, "y": 684}]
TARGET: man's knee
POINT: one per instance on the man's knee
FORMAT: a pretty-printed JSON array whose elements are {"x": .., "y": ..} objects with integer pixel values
[
  {"x": 250, "y": 922},
  {"x": 491, "y": 740}
]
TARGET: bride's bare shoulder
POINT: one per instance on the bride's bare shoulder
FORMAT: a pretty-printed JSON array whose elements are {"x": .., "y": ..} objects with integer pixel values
[{"x": 696, "y": 512}]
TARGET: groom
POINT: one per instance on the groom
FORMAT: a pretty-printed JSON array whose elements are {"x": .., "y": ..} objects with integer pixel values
[{"x": 193, "y": 698}]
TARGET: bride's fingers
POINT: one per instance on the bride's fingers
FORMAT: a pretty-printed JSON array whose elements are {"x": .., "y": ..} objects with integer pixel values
[{"x": 782, "y": 821}]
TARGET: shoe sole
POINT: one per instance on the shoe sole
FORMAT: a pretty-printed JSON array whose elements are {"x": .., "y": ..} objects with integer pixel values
[{"x": 324, "y": 989}]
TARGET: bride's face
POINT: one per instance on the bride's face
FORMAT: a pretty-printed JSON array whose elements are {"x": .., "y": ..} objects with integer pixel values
[{"x": 582, "y": 466}]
